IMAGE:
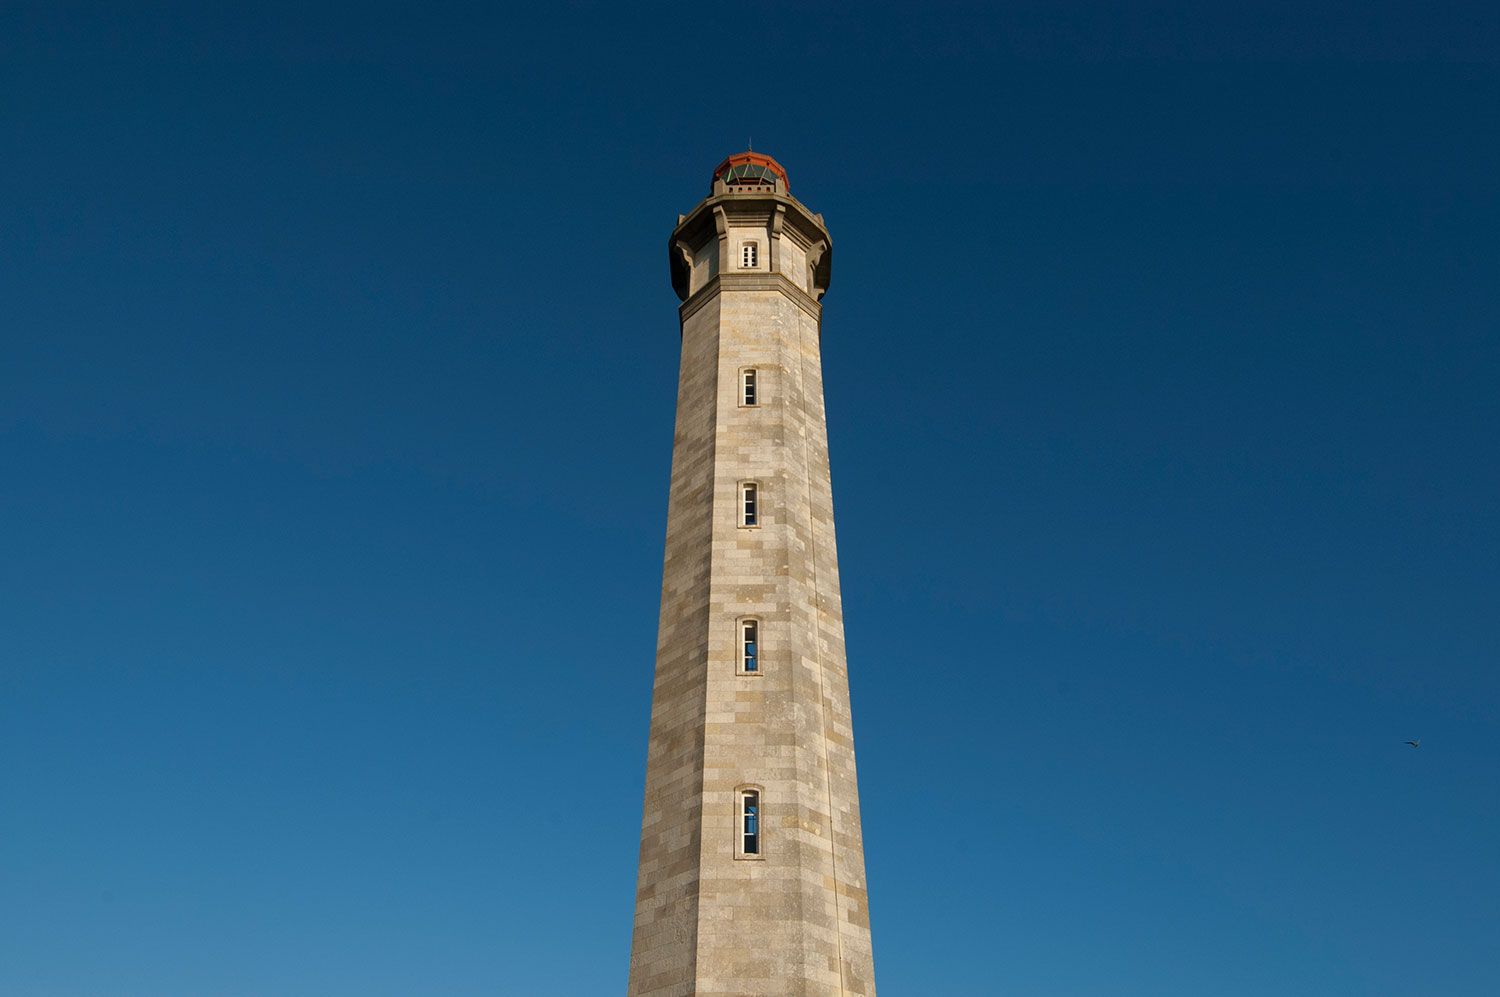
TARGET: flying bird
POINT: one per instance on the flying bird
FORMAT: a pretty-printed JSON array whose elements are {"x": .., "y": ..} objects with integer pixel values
[{"x": 1415, "y": 744}]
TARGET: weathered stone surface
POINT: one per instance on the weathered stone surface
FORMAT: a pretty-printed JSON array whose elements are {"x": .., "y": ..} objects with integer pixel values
[{"x": 793, "y": 920}]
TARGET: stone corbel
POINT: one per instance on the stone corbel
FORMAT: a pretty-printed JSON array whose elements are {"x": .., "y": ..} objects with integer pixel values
[
  {"x": 721, "y": 226},
  {"x": 814, "y": 257},
  {"x": 778, "y": 218},
  {"x": 684, "y": 252}
]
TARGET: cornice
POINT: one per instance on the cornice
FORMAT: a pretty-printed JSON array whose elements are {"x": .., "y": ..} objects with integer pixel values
[
  {"x": 747, "y": 203},
  {"x": 749, "y": 282}
]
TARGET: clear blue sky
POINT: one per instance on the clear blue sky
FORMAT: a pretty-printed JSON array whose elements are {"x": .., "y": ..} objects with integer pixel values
[{"x": 337, "y": 365}]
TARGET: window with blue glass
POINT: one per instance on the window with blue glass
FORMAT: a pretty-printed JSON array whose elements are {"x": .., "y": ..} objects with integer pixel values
[
  {"x": 749, "y": 822},
  {"x": 750, "y": 646}
]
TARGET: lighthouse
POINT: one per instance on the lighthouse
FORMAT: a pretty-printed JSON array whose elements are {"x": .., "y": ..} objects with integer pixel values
[{"x": 751, "y": 878}]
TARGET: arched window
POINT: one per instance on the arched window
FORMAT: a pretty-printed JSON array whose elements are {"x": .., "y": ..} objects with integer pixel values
[
  {"x": 749, "y": 255},
  {"x": 748, "y": 387},
  {"x": 748, "y": 830},
  {"x": 749, "y": 504}
]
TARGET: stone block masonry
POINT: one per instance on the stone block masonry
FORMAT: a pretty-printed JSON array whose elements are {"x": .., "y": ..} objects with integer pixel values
[{"x": 782, "y": 911}]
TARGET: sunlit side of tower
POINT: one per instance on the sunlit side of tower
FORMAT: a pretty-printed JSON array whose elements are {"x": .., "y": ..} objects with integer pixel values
[{"x": 752, "y": 877}]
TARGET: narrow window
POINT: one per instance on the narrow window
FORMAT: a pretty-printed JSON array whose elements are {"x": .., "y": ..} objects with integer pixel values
[
  {"x": 748, "y": 509},
  {"x": 748, "y": 254},
  {"x": 747, "y": 387},
  {"x": 749, "y": 646},
  {"x": 749, "y": 822}
]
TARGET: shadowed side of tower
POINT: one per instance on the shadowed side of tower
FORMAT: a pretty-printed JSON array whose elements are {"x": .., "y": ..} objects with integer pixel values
[{"x": 751, "y": 864}]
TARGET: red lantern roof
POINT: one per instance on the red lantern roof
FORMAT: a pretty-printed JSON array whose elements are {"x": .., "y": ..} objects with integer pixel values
[{"x": 751, "y": 169}]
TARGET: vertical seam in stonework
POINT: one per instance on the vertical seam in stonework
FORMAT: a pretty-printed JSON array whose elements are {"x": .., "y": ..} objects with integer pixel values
[
  {"x": 812, "y": 540},
  {"x": 708, "y": 620}
]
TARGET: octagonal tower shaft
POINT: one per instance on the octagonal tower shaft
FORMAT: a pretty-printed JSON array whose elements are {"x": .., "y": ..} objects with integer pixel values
[{"x": 751, "y": 876}]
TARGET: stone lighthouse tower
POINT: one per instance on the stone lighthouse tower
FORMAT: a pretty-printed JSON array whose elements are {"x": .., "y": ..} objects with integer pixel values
[{"x": 752, "y": 878}]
